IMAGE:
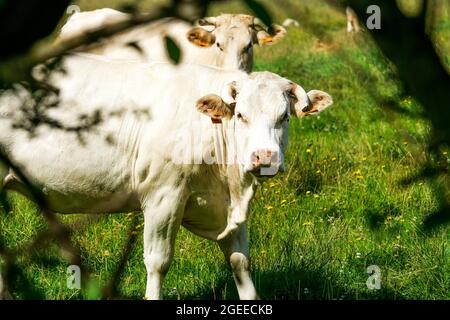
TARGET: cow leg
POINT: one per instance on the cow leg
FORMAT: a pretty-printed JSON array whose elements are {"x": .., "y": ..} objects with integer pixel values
[
  {"x": 236, "y": 251},
  {"x": 162, "y": 219}
]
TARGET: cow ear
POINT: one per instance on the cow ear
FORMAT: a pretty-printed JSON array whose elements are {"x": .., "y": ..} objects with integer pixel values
[
  {"x": 201, "y": 37},
  {"x": 319, "y": 101},
  {"x": 213, "y": 106},
  {"x": 265, "y": 38},
  {"x": 306, "y": 104}
]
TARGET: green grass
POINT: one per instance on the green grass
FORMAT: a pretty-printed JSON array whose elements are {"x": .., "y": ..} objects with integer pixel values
[{"x": 315, "y": 229}]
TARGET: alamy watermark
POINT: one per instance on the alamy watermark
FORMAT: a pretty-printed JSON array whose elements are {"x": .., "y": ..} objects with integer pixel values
[
  {"x": 374, "y": 20},
  {"x": 374, "y": 280},
  {"x": 73, "y": 277}
]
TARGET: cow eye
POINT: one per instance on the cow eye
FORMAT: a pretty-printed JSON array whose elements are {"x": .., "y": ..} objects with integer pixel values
[{"x": 218, "y": 46}]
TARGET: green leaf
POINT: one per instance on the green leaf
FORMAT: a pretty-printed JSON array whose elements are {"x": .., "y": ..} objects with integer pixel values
[
  {"x": 172, "y": 49},
  {"x": 260, "y": 11}
]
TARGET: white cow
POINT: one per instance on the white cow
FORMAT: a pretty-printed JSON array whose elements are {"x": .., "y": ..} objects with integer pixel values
[
  {"x": 225, "y": 41},
  {"x": 186, "y": 145}
]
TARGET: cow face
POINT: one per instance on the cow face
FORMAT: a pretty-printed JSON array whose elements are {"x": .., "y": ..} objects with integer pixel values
[
  {"x": 233, "y": 37},
  {"x": 260, "y": 107}
]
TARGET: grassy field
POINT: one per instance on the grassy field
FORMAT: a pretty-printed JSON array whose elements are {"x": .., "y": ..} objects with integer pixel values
[{"x": 315, "y": 229}]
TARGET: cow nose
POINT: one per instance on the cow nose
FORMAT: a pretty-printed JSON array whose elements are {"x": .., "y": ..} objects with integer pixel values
[{"x": 264, "y": 159}]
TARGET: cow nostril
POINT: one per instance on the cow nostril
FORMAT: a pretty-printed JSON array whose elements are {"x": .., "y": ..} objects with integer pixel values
[{"x": 256, "y": 160}]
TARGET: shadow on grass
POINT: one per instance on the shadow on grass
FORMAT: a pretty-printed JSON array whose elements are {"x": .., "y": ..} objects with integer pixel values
[
  {"x": 21, "y": 284},
  {"x": 305, "y": 180},
  {"x": 293, "y": 283},
  {"x": 377, "y": 216},
  {"x": 437, "y": 219}
]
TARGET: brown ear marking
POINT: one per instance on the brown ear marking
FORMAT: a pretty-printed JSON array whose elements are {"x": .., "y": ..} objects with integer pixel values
[
  {"x": 267, "y": 40},
  {"x": 309, "y": 109},
  {"x": 271, "y": 35},
  {"x": 318, "y": 101},
  {"x": 201, "y": 37},
  {"x": 313, "y": 107},
  {"x": 213, "y": 106}
]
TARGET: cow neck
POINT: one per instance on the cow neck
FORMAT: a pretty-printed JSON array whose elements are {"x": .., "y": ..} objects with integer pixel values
[
  {"x": 241, "y": 188},
  {"x": 224, "y": 145}
]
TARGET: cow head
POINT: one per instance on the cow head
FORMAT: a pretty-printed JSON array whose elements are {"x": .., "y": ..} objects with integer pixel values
[
  {"x": 260, "y": 107},
  {"x": 233, "y": 37}
]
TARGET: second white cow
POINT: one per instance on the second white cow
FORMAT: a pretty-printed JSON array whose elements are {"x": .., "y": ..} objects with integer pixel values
[{"x": 225, "y": 41}]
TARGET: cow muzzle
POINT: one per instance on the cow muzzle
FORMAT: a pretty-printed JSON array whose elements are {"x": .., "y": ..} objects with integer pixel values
[{"x": 265, "y": 162}]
